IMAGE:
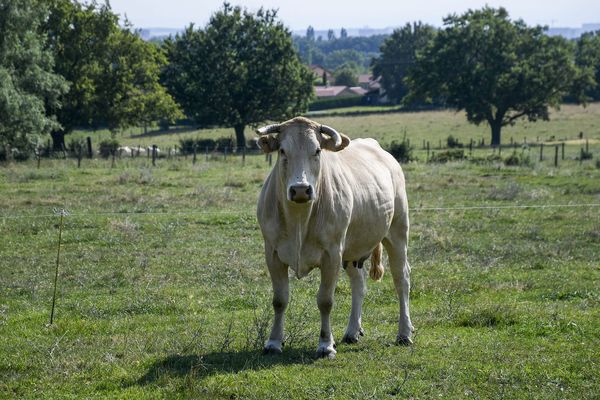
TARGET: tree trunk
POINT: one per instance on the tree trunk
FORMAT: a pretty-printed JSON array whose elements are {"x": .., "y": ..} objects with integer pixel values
[
  {"x": 240, "y": 139},
  {"x": 58, "y": 140},
  {"x": 496, "y": 129}
]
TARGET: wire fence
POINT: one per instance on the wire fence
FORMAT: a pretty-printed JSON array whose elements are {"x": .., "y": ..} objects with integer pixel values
[{"x": 57, "y": 213}]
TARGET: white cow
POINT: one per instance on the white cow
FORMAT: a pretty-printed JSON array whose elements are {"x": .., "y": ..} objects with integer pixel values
[{"x": 328, "y": 209}]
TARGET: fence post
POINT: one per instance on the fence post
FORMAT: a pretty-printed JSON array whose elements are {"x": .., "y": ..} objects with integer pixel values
[
  {"x": 563, "y": 150},
  {"x": 154, "y": 155},
  {"x": 541, "y": 151},
  {"x": 90, "y": 151},
  {"x": 499, "y": 150},
  {"x": 587, "y": 145},
  {"x": 581, "y": 156},
  {"x": 270, "y": 159},
  {"x": 244, "y": 155},
  {"x": 194, "y": 157},
  {"x": 427, "y": 152},
  {"x": 423, "y": 144},
  {"x": 471, "y": 147},
  {"x": 206, "y": 153},
  {"x": 556, "y": 156}
]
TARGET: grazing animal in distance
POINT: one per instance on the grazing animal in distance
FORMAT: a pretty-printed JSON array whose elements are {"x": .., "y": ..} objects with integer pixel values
[{"x": 328, "y": 203}]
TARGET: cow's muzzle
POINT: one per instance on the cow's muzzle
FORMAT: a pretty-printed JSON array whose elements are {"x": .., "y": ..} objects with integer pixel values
[{"x": 301, "y": 193}]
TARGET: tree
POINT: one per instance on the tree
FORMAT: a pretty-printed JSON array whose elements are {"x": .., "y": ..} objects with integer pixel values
[
  {"x": 27, "y": 83},
  {"x": 495, "y": 69},
  {"x": 114, "y": 74},
  {"x": 587, "y": 57},
  {"x": 343, "y": 33},
  {"x": 330, "y": 35},
  {"x": 241, "y": 69},
  {"x": 347, "y": 74},
  {"x": 398, "y": 55},
  {"x": 310, "y": 33}
]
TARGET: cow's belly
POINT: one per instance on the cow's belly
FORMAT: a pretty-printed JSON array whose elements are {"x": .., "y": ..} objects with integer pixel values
[{"x": 366, "y": 231}]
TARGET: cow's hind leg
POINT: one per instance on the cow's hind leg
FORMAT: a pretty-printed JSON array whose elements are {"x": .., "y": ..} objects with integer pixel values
[
  {"x": 357, "y": 283},
  {"x": 396, "y": 246},
  {"x": 280, "y": 281}
]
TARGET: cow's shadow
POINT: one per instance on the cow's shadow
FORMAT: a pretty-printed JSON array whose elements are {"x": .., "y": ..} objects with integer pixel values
[{"x": 199, "y": 366}]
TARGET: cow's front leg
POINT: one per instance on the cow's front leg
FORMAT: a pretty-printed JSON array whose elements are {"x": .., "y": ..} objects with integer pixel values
[
  {"x": 329, "y": 274},
  {"x": 279, "y": 278},
  {"x": 357, "y": 283}
]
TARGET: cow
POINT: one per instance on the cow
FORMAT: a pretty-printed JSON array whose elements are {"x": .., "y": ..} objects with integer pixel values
[{"x": 330, "y": 203}]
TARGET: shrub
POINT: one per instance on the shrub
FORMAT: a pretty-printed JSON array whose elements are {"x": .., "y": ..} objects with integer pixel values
[
  {"x": 108, "y": 147},
  {"x": 585, "y": 155},
  {"x": 517, "y": 159},
  {"x": 401, "y": 151},
  {"x": 448, "y": 155},
  {"x": 453, "y": 142}
]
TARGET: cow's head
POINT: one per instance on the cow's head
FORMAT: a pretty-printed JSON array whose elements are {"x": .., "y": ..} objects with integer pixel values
[{"x": 299, "y": 142}]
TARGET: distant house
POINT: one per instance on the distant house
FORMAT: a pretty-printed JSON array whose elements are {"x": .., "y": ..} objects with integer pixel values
[
  {"x": 339, "y": 91},
  {"x": 318, "y": 70},
  {"x": 364, "y": 80}
]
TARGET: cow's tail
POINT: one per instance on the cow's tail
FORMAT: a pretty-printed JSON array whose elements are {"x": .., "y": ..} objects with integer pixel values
[{"x": 376, "y": 271}]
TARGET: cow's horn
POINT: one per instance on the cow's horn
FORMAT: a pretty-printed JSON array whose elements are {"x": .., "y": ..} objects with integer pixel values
[
  {"x": 333, "y": 134},
  {"x": 265, "y": 130}
]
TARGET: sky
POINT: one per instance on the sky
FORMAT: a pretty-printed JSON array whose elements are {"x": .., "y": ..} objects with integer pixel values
[{"x": 325, "y": 14}]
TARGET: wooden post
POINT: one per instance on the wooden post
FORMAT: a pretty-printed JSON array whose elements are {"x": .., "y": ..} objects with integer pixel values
[
  {"x": 194, "y": 157},
  {"x": 206, "y": 153},
  {"x": 244, "y": 155},
  {"x": 154, "y": 150},
  {"x": 541, "y": 151},
  {"x": 423, "y": 144},
  {"x": 90, "y": 151},
  {"x": 587, "y": 145},
  {"x": 511, "y": 140},
  {"x": 581, "y": 156},
  {"x": 427, "y": 159},
  {"x": 270, "y": 159},
  {"x": 440, "y": 144},
  {"x": 500, "y": 150},
  {"x": 471, "y": 147},
  {"x": 556, "y": 156},
  {"x": 563, "y": 150}
]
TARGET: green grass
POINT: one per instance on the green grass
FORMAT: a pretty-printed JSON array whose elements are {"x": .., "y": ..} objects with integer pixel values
[{"x": 163, "y": 291}]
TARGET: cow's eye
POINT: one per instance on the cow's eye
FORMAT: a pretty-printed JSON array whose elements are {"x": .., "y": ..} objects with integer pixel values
[
  {"x": 318, "y": 152},
  {"x": 282, "y": 152}
]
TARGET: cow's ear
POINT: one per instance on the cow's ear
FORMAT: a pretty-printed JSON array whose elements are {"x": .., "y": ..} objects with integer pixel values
[
  {"x": 268, "y": 143},
  {"x": 328, "y": 144}
]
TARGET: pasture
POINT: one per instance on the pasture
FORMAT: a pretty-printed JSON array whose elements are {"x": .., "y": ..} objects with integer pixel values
[{"x": 163, "y": 290}]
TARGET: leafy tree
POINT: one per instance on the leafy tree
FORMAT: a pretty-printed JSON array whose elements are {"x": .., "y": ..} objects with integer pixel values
[
  {"x": 587, "y": 57},
  {"x": 337, "y": 58},
  {"x": 495, "y": 69},
  {"x": 343, "y": 33},
  {"x": 114, "y": 74},
  {"x": 346, "y": 76},
  {"x": 241, "y": 69},
  {"x": 398, "y": 55},
  {"x": 310, "y": 33},
  {"x": 330, "y": 35},
  {"x": 27, "y": 83}
]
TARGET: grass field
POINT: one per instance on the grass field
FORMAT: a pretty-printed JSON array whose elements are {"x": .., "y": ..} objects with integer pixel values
[{"x": 163, "y": 291}]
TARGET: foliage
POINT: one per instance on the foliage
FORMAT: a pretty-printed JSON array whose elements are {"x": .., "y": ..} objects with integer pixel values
[
  {"x": 402, "y": 151},
  {"x": 346, "y": 76},
  {"x": 585, "y": 155},
  {"x": 335, "y": 102},
  {"x": 113, "y": 72},
  {"x": 398, "y": 55},
  {"x": 27, "y": 84},
  {"x": 241, "y": 69},
  {"x": 332, "y": 53},
  {"x": 453, "y": 142},
  {"x": 495, "y": 69},
  {"x": 587, "y": 56},
  {"x": 447, "y": 155},
  {"x": 108, "y": 147},
  {"x": 515, "y": 159},
  {"x": 186, "y": 145}
]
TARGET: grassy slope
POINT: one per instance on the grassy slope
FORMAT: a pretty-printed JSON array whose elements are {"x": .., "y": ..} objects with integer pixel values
[{"x": 506, "y": 302}]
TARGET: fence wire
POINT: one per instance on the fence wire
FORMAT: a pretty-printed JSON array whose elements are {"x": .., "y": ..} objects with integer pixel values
[{"x": 240, "y": 212}]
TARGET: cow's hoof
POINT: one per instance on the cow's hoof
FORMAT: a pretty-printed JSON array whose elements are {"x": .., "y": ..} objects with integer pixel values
[
  {"x": 326, "y": 351},
  {"x": 403, "y": 341},
  {"x": 351, "y": 338},
  {"x": 272, "y": 347}
]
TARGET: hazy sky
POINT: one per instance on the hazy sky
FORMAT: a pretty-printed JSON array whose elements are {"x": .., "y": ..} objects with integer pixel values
[{"x": 324, "y": 14}]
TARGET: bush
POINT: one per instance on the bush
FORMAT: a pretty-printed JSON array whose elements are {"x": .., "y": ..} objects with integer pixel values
[
  {"x": 453, "y": 142},
  {"x": 401, "y": 151},
  {"x": 336, "y": 102},
  {"x": 517, "y": 159},
  {"x": 108, "y": 147},
  {"x": 585, "y": 155},
  {"x": 76, "y": 147},
  {"x": 187, "y": 145},
  {"x": 448, "y": 155}
]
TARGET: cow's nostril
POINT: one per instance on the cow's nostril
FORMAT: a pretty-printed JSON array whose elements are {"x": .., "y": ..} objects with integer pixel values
[{"x": 309, "y": 191}]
